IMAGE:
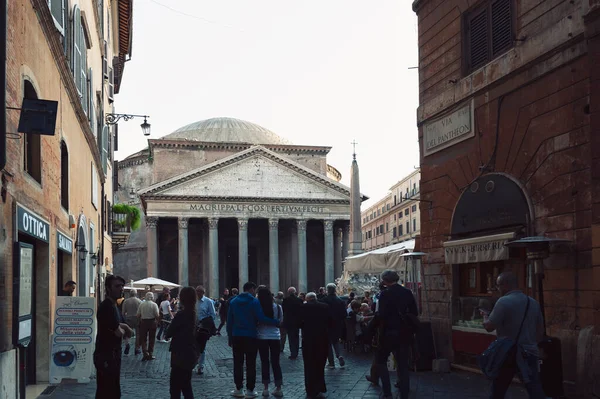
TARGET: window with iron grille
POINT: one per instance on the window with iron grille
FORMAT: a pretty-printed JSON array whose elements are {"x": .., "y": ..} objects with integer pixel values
[{"x": 489, "y": 32}]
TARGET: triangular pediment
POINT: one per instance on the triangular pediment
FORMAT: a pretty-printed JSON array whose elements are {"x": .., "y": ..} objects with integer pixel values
[{"x": 253, "y": 173}]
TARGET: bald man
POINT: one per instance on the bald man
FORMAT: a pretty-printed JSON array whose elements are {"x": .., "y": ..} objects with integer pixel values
[{"x": 516, "y": 314}]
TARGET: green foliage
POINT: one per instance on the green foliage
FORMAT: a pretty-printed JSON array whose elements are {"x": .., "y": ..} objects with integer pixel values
[{"x": 133, "y": 212}]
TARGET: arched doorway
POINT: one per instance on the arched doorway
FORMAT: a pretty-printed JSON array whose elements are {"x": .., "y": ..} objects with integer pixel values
[{"x": 82, "y": 251}]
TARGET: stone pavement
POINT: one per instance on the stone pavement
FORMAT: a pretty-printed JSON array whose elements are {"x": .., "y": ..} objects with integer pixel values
[{"x": 151, "y": 379}]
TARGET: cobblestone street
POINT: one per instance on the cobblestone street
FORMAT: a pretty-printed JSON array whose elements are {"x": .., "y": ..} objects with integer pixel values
[{"x": 151, "y": 379}]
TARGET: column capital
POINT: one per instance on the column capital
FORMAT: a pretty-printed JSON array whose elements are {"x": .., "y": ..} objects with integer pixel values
[
  {"x": 301, "y": 223},
  {"x": 338, "y": 230},
  {"x": 213, "y": 223},
  {"x": 242, "y": 224},
  {"x": 328, "y": 224},
  {"x": 151, "y": 222},
  {"x": 183, "y": 223},
  {"x": 273, "y": 224},
  {"x": 346, "y": 228}
]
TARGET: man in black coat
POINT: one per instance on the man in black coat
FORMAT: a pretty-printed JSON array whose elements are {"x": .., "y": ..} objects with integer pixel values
[
  {"x": 337, "y": 310},
  {"x": 396, "y": 336},
  {"x": 315, "y": 321},
  {"x": 291, "y": 322}
]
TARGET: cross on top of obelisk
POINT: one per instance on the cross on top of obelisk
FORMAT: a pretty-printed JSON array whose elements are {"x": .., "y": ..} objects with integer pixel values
[{"x": 354, "y": 143}]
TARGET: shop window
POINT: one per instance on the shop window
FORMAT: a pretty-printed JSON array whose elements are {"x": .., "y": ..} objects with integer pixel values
[
  {"x": 32, "y": 151},
  {"x": 64, "y": 176},
  {"x": 488, "y": 32}
]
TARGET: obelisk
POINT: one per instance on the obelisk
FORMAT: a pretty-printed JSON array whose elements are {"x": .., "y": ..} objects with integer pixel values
[{"x": 355, "y": 201}]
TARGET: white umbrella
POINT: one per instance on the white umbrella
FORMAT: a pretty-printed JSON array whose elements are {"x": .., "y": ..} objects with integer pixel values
[{"x": 154, "y": 282}]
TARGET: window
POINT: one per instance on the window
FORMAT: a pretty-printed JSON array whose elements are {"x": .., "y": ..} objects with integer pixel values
[
  {"x": 414, "y": 188},
  {"x": 414, "y": 225},
  {"x": 395, "y": 217},
  {"x": 400, "y": 215},
  {"x": 94, "y": 178},
  {"x": 387, "y": 227},
  {"x": 378, "y": 212},
  {"x": 406, "y": 212},
  {"x": 64, "y": 176},
  {"x": 57, "y": 8},
  {"x": 104, "y": 150},
  {"x": 414, "y": 208},
  {"x": 395, "y": 200},
  {"x": 400, "y": 230},
  {"x": 394, "y": 231},
  {"x": 407, "y": 227},
  {"x": 32, "y": 143},
  {"x": 79, "y": 64},
  {"x": 488, "y": 32},
  {"x": 387, "y": 207}
]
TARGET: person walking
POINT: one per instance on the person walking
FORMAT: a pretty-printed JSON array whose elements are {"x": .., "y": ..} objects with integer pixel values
[
  {"x": 166, "y": 314},
  {"x": 148, "y": 319},
  {"x": 111, "y": 330},
  {"x": 395, "y": 306},
  {"x": 315, "y": 321},
  {"x": 223, "y": 307},
  {"x": 130, "y": 310},
  {"x": 337, "y": 310},
  {"x": 205, "y": 309},
  {"x": 291, "y": 323},
  {"x": 268, "y": 342},
  {"x": 518, "y": 317},
  {"x": 243, "y": 317},
  {"x": 183, "y": 348}
]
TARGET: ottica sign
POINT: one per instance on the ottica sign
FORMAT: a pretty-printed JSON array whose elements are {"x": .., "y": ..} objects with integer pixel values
[{"x": 31, "y": 224}]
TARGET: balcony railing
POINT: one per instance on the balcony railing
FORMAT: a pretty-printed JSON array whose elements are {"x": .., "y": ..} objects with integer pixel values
[{"x": 121, "y": 223}]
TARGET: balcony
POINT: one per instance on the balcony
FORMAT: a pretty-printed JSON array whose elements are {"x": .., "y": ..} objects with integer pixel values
[{"x": 125, "y": 219}]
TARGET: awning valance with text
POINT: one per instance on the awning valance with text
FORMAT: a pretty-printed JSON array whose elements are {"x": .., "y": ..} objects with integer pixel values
[{"x": 478, "y": 249}]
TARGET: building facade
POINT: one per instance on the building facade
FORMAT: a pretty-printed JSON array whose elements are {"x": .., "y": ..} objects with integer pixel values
[
  {"x": 396, "y": 217},
  {"x": 55, "y": 188},
  {"x": 240, "y": 203},
  {"x": 508, "y": 120}
]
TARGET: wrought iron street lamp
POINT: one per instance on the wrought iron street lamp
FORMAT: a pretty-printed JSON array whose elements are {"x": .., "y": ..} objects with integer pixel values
[
  {"x": 82, "y": 252},
  {"x": 113, "y": 119}
]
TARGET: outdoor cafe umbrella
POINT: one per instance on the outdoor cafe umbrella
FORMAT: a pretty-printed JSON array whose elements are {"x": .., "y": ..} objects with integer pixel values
[{"x": 154, "y": 283}]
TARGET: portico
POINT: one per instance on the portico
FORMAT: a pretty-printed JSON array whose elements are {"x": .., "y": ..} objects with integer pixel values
[{"x": 252, "y": 216}]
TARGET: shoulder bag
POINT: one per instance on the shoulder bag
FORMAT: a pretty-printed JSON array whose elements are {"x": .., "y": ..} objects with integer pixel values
[{"x": 502, "y": 349}]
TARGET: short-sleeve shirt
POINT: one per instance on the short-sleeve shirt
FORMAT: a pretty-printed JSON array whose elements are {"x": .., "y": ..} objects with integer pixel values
[
  {"x": 130, "y": 306},
  {"x": 507, "y": 316},
  {"x": 108, "y": 317},
  {"x": 165, "y": 307},
  {"x": 148, "y": 310}
]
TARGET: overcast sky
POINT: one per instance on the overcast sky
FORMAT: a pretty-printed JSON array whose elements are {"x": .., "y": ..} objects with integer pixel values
[{"x": 315, "y": 72}]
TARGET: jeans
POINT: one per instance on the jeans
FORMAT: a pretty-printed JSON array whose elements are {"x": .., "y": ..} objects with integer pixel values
[
  {"x": 181, "y": 382},
  {"x": 244, "y": 348},
  {"x": 163, "y": 325},
  {"x": 400, "y": 347},
  {"x": 334, "y": 346},
  {"x": 202, "y": 360},
  {"x": 269, "y": 351},
  {"x": 108, "y": 375},
  {"x": 293, "y": 334},
  {"x": 507, "y": 372}
]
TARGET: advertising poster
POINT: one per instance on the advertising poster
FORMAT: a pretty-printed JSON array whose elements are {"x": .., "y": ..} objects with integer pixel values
[{"x": 73, "y": 339}]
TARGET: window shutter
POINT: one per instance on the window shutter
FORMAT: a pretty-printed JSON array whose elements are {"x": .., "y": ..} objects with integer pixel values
[
  {"x": 105, "y": 134},
  {"x": 116, "y": 138},
  {"x": 501, "y": 26},
  {"x": 91, "y": 103},
  {"x": 115, "y": 176},
  {"x": 76, "y": 65},
  {"x": 57, "y": 10},
  {"x": 111, "y": 85},
  {"x": 67, "y": 35},
  {"x": 478, "y": 41},
  {"x": 105, "y": 61}
]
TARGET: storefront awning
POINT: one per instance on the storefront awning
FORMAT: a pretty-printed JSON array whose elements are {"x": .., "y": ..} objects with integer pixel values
[
  {"x": 477, "y": 249},
  {"x": 378, "y": 260}
]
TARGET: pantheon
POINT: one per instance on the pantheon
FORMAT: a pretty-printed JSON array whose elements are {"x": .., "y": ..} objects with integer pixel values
[{"x": 227, "y": 201}]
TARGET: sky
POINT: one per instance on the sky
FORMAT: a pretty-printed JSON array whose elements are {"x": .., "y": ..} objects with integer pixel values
[{"x": 314, "y": 72}]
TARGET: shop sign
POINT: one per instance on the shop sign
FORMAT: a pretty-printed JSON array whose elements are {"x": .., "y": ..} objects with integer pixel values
[
  {"x": 476, "y": 250},
  {"x": 72, "y": 342},
  {"x": 448, "y": 130},
  {"x": 31, "y": 224},
  {"x": 64, "y": 243}
]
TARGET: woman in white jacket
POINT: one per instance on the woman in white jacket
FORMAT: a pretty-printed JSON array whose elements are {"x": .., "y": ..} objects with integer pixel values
[{"x": 269, "y": 342}]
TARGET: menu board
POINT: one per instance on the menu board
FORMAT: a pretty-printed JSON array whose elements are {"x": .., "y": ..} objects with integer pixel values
[
  {"x": 25, "y": 282},
  {"x": 73, "y": 340}
]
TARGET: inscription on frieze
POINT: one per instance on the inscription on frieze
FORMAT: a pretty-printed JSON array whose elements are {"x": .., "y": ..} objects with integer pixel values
[{"x": 290, "y": 209}]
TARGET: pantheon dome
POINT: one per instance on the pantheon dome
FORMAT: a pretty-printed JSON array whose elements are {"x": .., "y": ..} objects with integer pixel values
[{"x": 226, "y": 130}]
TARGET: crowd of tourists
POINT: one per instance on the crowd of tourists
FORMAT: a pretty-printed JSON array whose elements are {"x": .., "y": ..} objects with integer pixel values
[{"x": 259, "y": 322}]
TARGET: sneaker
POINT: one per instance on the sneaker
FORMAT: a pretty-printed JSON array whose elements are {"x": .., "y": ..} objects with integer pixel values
[
  {"x": 342, "y": 361},
  {"x": 151, "y": 357},
  {"x": 251, "y": 394},
  {"x": 278, "y": 392},
  {"x": 331, "y": 366},
  {"x": 200, "y": 370},
  {"x": 127, "y": 348},
  {"x": 266, "y": 393},
  {"x": 237, "y": 393}
]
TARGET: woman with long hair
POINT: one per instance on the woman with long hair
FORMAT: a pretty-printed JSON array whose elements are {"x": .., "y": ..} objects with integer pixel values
[
  {"x": 183, "y": 348},
  {"x": 269, "y": 342}
]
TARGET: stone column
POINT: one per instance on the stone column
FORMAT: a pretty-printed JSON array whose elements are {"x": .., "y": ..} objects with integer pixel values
[
  {"x": 243, "y": 252},
  {"x": 337, "y": 253},
  {"x": 213, "y": 270},
  {"x": 328, "y": 227},
  {"x": 152, "y": 245},
  {"x": 184, "y": 268},
  {"x": 274, "y": 255},
  {"x": 302, "y": 267},
  {"x": 345, "y": 241}
]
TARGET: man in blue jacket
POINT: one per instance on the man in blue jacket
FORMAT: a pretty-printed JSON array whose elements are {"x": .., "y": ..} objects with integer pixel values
[{"x": 242, "y": 319}]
